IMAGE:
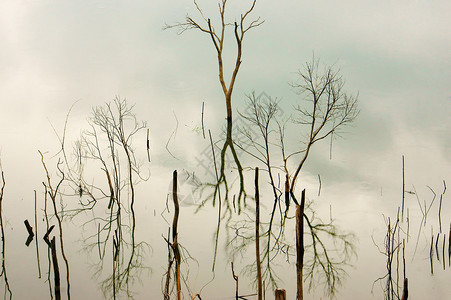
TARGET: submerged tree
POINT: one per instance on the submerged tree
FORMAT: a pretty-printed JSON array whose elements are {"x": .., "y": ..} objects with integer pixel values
[
  {"x": 106, "y": 151},
  {"x": 53, "y": 192},
  {"x": 217, "y": 33},
  {"x": 394, "y": 282},
  {"x": 3, "y": 274},
  {"x": 326, "y": 108}
]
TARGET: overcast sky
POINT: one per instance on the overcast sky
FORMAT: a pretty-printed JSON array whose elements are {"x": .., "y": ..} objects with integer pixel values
[{"x": 395, "y": 54}]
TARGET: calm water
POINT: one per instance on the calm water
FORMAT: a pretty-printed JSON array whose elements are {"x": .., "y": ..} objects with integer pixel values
[{"x": 392, "y": 54}]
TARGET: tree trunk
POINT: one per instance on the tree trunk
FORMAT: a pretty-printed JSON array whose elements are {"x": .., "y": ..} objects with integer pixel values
[
  {"x": 405, "y": 291},
  {"x": 175, "y": 234},
  {"x": 257, "y": 238},
  {"x": 300, "y": 246},
  {"x": 229, "y": 107},
  {"x": 56, "y": 271},
  {"x": 280, "y": 294}
]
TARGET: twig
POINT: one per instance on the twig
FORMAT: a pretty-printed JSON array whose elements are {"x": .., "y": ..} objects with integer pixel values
[
  {"x": 436, "y": 246},
  {"x": 46, "y": 239},
  {"x": 53, "y": 193},
  {"x": 203, "y": 129},
  {"x": 172, "y": 135},
  {"x": 403, "y": 190},
  {"x": 431, "y": 253},
  {"x": 168, "y": 274},
  {"x": 3, "y": 272},
  {"x": 98, "y": 241},
  {"x": 235, "y": 277},
  {"x": 219, "y": 203},
  {"x": 319, "y": 187},
  {"x": 443, "y": 250},
  {"x": 36, "y": 226},
  {"x": 449, "y": 246},
  {"x": 148, "y": 145}
]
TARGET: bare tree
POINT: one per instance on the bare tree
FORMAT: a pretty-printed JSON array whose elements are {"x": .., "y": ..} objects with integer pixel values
[
  {"x": 329, "y": 109},
  {"x": 106, "y": 151},
  {"x": 326, "y": 108},
  {"x": 3, "y": 274},
  {"x": 53, "y": 191},
  {"x": 392, "y": 246},
  {"x": 217, "y": 34},
  {"x": 178, "y": 255},
  {"x": 394, "y": 282}
]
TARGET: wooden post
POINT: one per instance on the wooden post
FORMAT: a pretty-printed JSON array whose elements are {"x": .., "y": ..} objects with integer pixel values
[
  {"x": 300, "y": 246},
  {"x": 257, "y": 239},
  {"x": 405, "y": 291},
  {"x": 280, "y": 294},
  {"x": 175, "y": 234},
  {"x": 56, "y": 271}
]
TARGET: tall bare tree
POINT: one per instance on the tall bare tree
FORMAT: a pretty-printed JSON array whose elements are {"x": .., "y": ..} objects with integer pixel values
[
  {"x": 53, "y": 192},
  {"x": 3, "y": 274},
  {"x": 217, "y": 34},
  {"x": 106, "y": 151},
  {"x": 324, "y": 110},
  {"x": 327, "y": 109}
]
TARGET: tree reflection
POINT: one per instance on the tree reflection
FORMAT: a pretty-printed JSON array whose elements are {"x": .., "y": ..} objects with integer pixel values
[
  {"x": 217, "y": 36},
  {"x": 3, "y": 271},
  {"x": 105, "y": 151},
  {"x": 267, "y": 137},
  {"x": 53, "y": 192}
]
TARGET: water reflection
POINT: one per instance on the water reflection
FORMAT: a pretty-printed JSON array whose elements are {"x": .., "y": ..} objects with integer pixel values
[
  {"x": 262, "y": 141},
  {"x": 3, "y": 274},
  {"x": 52, "y": 191},
  {"x": 106, "y": 151}
]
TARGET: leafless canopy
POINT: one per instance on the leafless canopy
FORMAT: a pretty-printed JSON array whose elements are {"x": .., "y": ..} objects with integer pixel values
[
  {"x": 217, "y": 35},
  {"x": 106, "y": 152},
  {"x": 328, "y": 108},
  {"x": 323, "y": 111}
]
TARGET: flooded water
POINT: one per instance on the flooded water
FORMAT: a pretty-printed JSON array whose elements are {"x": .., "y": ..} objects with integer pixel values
[{"x": 100, "y": 106}]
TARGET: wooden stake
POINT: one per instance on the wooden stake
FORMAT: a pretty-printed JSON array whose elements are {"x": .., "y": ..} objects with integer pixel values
[
  {"x": 300, "y": 246},
  {"x": 257, "y": 238},
  {"x": 280, "y": 294}
]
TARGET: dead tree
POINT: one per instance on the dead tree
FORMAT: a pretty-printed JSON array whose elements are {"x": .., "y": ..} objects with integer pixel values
[
  {"x": 217, "y": 35},
  {"x": 396, "y": 241},
  {"x": 3, "y": 271},
  {"x": 257, "y": 239},
  {"x": 326, "y": 110},
  {"x": 53, "y": 193},
  {"x": 56, "y": 272},
  {"x": 105, "y": 151},
  {"x": 235, "y": 277},
  {"x": 300, "y": 247},
  {"x": 280, "y": 294},
  {"x": 175, "y": 245}
]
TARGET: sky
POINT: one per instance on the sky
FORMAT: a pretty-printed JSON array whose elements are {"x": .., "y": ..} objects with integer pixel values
[{"x": 395, "y": 54}]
